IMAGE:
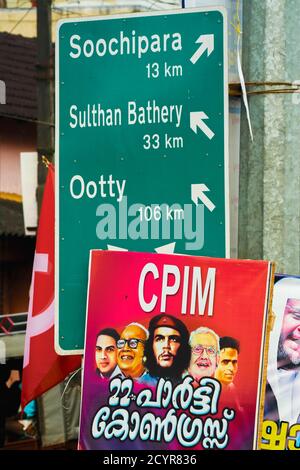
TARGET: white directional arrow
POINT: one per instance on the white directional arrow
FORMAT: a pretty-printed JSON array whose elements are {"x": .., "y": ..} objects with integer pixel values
[
  {"x": 197, "y": 191},
  {"x": 196, "y": 120},
  {"x": 115, "y": 248},
  {"x": 169, "y": 248},
  {"x": 207, "y": 44}
]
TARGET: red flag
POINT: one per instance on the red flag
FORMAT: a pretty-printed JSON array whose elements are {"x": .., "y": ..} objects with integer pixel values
[{"x": 42, "y": 367}]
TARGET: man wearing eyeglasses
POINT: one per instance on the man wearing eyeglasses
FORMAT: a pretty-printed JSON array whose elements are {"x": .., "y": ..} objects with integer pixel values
[
  {"x": 131, "y": 350},
  {"x": 167, "y": 351},
  {"x": 106, "y": 353},
  {"x": 205, "y": 345}
]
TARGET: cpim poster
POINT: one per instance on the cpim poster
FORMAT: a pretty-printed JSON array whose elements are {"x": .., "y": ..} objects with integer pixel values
[
  {"x": 173, "y": 352},
  {"x": 281, "y": 426}
]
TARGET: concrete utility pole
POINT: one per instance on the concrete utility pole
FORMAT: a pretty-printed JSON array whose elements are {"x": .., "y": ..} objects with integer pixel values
[
  {"x": 269, "y": 203},
  {"x": 45, "y": 132}
]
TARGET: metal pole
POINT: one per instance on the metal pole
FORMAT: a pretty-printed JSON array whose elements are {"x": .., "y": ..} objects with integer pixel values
[
  {"x": 269, "y": 208},
  {"x": 45, "y": 132}
]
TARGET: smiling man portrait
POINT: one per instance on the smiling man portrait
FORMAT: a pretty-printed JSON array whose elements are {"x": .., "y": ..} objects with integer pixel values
[{"x": 205, "y": 347}]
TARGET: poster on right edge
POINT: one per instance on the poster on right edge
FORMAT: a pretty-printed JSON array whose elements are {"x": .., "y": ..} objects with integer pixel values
[{"x": 281, "y": 425}]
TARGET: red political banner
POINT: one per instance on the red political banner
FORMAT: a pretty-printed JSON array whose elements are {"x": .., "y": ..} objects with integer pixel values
[
  {"x": 174, "y": 352},
  {"x": 42, "y": 367}
]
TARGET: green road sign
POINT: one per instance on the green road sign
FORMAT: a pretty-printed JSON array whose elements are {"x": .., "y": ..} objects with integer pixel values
[{"x": 141, "y": 122}]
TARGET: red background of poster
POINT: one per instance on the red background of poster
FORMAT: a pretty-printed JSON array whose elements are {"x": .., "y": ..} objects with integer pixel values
[{"x": 239, "y": 306}]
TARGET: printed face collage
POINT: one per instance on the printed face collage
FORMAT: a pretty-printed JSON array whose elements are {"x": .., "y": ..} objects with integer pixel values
[{"x": 166, "y": 349}]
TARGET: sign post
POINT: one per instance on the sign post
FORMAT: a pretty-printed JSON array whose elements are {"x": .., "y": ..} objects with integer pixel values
[{"x": 141, "y": 116}]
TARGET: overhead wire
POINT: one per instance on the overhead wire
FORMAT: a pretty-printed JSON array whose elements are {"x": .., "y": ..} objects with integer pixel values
[
  {"x": 21, "y": 118},
  {"x": 20, "y": 20},
  {"x": 66, "y": 11}
]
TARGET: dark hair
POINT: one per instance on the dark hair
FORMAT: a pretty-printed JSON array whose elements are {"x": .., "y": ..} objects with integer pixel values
[
  {"x": 229, "y": 342},
  {"x": 183, "y": 356},
  {"x": 109, "y": 332}
]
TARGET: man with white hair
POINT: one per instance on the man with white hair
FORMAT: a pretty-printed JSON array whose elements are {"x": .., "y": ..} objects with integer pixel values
[{"x": 205, "y": 346}]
